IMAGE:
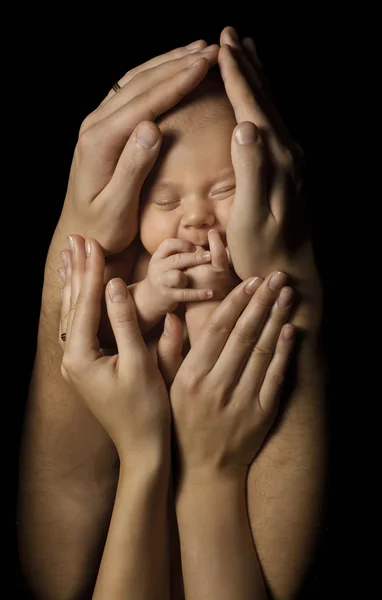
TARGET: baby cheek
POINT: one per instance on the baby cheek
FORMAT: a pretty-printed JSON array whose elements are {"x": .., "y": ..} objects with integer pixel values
[{"x": 155, "y": 227}]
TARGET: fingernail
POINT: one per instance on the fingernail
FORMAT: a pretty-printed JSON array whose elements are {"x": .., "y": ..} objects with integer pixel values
[
  {"x": 88, "y": 247},
  {"x": 252, "y": 285},
  {"x": 117, "y": 290},
  {"x": 71, "y": 243},
  {"x": 209, "y": 293},
  {"x": 146, "y": 137},
  {"x": 277, "y": 281},
  {"x": 193, "y": 45},
  {"x": 246, "y": 133},
  {"x": 206, "y": 256},
  {"x": 167, "y": 325},
  {"x": 285, "y": 297},
  {"x": 61, "y": 272},
  {"x": 64, "y": 259},
  {"x": 289, "y": 332}
]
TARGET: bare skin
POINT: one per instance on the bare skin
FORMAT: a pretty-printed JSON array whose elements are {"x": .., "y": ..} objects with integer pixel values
[{"x": 73, "y": 473}]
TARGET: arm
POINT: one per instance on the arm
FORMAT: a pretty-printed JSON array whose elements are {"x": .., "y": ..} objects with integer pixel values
[
  {"x": 128, "y": 396},
  {"x": 135, "y": 562},
  {"x": 218, "y": 555},
  {"x": 225, "y": 396},
  {"x": 68, "y": 471},
  {"x": 286, "y": 485}
]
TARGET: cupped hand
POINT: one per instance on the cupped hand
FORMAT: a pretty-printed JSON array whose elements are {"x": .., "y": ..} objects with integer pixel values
[
  {"x": 224, "y": 395},
  {"x": 126, "y": 391},
  {"x": 119, "y": 142},
  {"x": 266, "y": 226}
]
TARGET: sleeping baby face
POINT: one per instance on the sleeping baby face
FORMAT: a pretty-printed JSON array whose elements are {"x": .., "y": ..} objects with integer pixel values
[{"x": 192, "y": 185}]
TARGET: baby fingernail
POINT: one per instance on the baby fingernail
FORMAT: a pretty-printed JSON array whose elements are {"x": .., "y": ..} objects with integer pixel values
[
  {"x": 285, "y": 297},
  {"x": 146, "y": 137},
  {"x": 71, "y": 243},
  {"x": 277, "y": 281},
  {"x": 167, "y": 325},
  {"x": 117, "y": 290},
  {"x": 252, "y": 285},
  {"x": 206, "y": 256},
  {"x": 246, "y": 133},
  {"x": 88, "y": 247}
]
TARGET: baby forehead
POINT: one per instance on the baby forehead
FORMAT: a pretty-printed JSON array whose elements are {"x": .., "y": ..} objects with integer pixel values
[{"x": 204, "y": 106}]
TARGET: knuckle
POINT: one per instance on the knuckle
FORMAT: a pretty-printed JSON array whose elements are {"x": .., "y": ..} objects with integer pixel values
[
  {"x": 86, "y": 123},
  {"x": 243, "y": 335},
  {"x": 262, "y": 353},
  {"x": 216, "y": 328},
  {"x": 86, "y": 142},
  {"x": 286, "y": 160}
]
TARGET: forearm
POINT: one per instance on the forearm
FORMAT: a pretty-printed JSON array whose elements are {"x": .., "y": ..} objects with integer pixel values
[
  {"x": 286, "y": 484},
  {"x": 68, "y": 471},
  {"x": 219, "y": 559},
  {"x": 135, "y": 559}
]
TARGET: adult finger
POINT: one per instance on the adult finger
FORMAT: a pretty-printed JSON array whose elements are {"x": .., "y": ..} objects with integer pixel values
[
  {"x": 146, "y": 79},
  {"x": 135, "y": 163},
  {"x": 66, "y": 257},
  {"x": 76, "y": 245},
  {"x": 83, "y": 340},
  {"x": 247, "y": 329},
  {"x": 238, "y": 89},
  {"x": 191, "y": 48},
  {"x": 211, "y": 341},
  {"x": 275, "y": 375},
  {"x": 111, "y": 133},
  {"x": 123, "y": 320},
  {"x": 250, "y": 166},
  {"x": 258, "y": 362},
  {"x": 169, "y": 348},
  {"x": 219, "y": 258}
]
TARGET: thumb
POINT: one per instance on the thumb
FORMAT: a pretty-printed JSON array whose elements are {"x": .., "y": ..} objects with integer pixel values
[
  {"x": 124, "y": 322},
  {"x": 136, "y": 161},
  {"x": 170, "y": 348},
  {"x": 248, "y": 159}
]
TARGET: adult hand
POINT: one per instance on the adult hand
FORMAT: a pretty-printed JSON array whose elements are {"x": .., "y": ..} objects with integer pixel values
[
  {"x": 125, "y": 392},
  {"x": 118, "y": 144},
  {"x": 225, "y": 393},
  {"x": 266, "y": 225}
]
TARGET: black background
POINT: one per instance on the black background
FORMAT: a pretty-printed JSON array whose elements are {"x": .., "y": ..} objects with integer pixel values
[{"x": 65, "y": 64}]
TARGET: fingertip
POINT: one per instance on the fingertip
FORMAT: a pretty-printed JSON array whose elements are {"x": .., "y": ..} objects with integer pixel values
[
  {"x": 246, "y": 133},
  {"x": 117, "y": 290},
  {"x": 148, "y": 135},
  {"x": 289, "y": 333}
]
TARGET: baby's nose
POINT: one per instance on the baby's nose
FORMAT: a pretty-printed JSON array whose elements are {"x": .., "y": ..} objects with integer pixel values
[{"x": 198, "y": 214}]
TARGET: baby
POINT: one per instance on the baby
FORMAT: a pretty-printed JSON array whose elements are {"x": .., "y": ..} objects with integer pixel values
[{"x": 185, "y": 204}]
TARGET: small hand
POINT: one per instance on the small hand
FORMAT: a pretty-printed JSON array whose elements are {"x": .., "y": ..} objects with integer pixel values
[
  {"x": 167, "y": 282},
  {"x": 217, "y": 274}
]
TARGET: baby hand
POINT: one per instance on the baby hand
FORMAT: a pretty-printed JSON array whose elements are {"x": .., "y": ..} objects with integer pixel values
[
  {"x": 166, "y": 283},
  {"x": 217, "y": 274}
]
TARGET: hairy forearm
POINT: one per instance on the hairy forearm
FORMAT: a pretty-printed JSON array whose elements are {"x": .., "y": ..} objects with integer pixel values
[
  {"x": 219, "y": 559},
  {"x": 68, "y": 469},
  {"x": 135, "y": 559},
  {"x": 286, "y": 484}
]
